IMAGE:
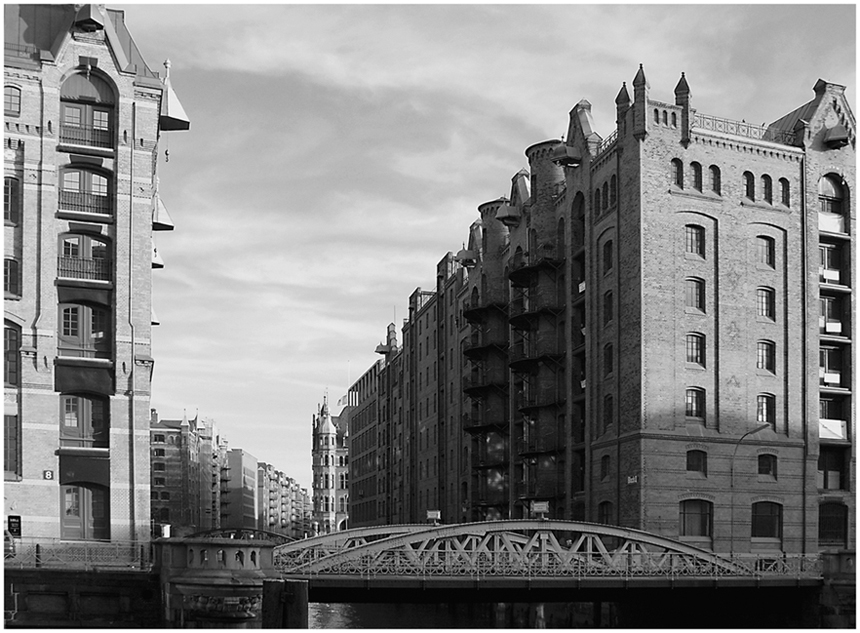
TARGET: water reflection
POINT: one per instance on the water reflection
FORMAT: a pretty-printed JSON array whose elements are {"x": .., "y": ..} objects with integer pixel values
[{"x": 399, "y": 616}]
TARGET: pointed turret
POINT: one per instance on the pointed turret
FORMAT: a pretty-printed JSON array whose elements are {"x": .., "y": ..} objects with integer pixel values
[
  {"x": 682, "y": 98},
  {"x": 622, "y": 104},
  {"x": 640, "y": 104}
]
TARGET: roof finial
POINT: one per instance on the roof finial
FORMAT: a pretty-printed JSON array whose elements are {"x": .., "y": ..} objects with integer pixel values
[{"x": 166, "y": 68}]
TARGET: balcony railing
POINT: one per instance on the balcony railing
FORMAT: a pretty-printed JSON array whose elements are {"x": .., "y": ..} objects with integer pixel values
[
  {"x": 53, "y": 553},
  {"x": 742, "y": 128},
  {"x": 83, "y": 268},
  {"x": 84, "y": 202},
  {"x": 87, "y": 135}
]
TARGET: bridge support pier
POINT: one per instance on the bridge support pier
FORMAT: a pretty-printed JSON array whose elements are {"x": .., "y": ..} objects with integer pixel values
[{"x": 285, "y": 604}]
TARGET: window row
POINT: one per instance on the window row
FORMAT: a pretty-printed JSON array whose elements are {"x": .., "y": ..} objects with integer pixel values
[
  {"x": 694, "y": 244},
  {"x": 766, "y": 189},
  {"x": 696, "y": 520},
  {"x": 697, "y": 462},
  {"x": 694, "y": 298},
  {"x": 695, "y": 407},
  {"x": 663, "y": 115},
  {"x": 606, "y": 196},
  {"x": 714, "y": 183},
  {"x": 696, "y": 353}
]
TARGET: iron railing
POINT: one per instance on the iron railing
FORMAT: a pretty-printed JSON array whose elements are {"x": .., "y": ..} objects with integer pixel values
[
  {"x": 606, "y": 143},
  {"x": 87, "y": 135},
  {"x": 59, "y": 554},
  {"x": 84, "y": 202},
  {"x": 742, "y": 128},
  {"x": 84, "y": 268}
]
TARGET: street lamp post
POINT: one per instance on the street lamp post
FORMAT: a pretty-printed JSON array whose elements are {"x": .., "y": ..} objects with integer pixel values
[{"x": 760, "y": 427}]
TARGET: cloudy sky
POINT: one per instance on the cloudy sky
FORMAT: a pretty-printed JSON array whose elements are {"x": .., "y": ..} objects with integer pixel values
[{"x": 337, "y": 152}]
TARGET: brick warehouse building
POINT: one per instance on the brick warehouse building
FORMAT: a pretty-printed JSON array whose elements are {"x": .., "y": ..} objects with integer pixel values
[
  {"x": 641, "y": 318},
  {"x": 83, "y": 115}
]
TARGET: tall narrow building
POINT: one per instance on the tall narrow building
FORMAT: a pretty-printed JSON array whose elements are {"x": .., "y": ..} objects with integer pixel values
[
  {"x": 330, "y": 451},
  {"x": 83, "y": 116}
]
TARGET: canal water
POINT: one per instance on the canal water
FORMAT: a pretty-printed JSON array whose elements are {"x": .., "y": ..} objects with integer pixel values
[{"x": 455, "y": 616}]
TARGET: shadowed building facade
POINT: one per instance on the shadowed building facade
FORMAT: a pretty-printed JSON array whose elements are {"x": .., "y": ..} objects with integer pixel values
[
  {"x": 657, "y": 331},
  {"x": 83, "y": 115}
]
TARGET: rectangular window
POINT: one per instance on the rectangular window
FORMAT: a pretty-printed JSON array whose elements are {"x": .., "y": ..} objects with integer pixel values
[
  {"x": 832, "y": 473},
  {"x": 766, "y": 409},
  {"x": 11, "y": 445},
  {"x": 12, "y": 277},
  {"x": 767, "y": 465},
  {"x": 608, "y": 308},
  {"x": 11, "y": 356},
  {"x": 697, "y": 462},
  {"x": 70, "y": 322},
  {"x": 766, "y": 251},
  {"x": 766, "y": 520},
  {"x": 12, "y": 101},
  {"x": 11, "y": 200}
]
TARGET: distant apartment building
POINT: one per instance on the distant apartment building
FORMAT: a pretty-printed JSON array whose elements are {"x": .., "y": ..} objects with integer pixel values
[
  {"x": 282, "y": 504},
  {"x": 330, "y": 464},
  {"x": 83, "y": 118},
  {"x": 239, "y": 500},
  {"x": 186, "y": 461},
  {"x": 652, "y": 329}
]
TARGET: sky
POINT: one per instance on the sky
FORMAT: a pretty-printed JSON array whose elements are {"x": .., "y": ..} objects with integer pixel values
[{"x": 338, "y": 152}]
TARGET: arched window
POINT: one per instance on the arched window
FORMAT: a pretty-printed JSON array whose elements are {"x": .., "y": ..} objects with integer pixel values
[
  {"x": 84, "y": 190},
  {"x": 678, "y": 173},
  {"x": 674, "y": 120},
  {"x": 665, "y": 117},
  {"x": 697, "y": 174},
  {"x": 597, "y": 201},
  {"x": 716, "y": 181},
  {"x": 766, "y": 303},
  {"x": 11, "y": 354},
  {"x": 766, "y": 520},
  {"x": 608, "y": 359},
  {"x": 832, "y": 524},
  {"x": 604, "y": 467},
  {"x": 84, "y": 256},
  {"x": 766, "y": 409},
  {"x": 695, "y": 344},
  {"x": 694, "y": 295},
  {"x": 766, "y": 356},
  {"x": 694, "y": 236},
  {"x": 11, "y": 200},
  {"x": 785, "y": 189},
  {"x": 767, "y": 189},
  {"x": 608, "y": 412},
  {"x": 608, "y": 307},
  {"x": 608, "y": 254},
  {"x": 12, "y": 101},
  {"x": 605, "y": 195},
  {"x": 85, "y": 330},
  {"x": 656, "y": 115},
  {"x": 749, "y": 185},
  {"x": 87, "y": 111},
  {"x": 84, "y": 421},
  {"x": 831, "y": 196},
  {"x": 11, "y": 277},
  {"x": 696, "y": 518},
  {"x": 766, "y": 250},
  {"x": 697, "y": 462},
  {"x": 613, "y": 191},
  {"x": 604, "y": 513},
  {"x": 694, "y": 403},
  {"x": 767, "y": 465}
]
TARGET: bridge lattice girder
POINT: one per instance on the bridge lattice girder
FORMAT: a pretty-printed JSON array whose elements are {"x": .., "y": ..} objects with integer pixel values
[{"x": 513, "y": 548}]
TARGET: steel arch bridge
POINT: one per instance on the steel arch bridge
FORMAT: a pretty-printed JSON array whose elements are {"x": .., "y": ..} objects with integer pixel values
[{"x": 534, "y": 549}]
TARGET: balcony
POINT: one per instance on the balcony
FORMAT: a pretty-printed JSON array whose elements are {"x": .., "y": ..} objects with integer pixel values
[
  {"x": 830, "y": 276},
  {"x": 84, "y": 268},
  {"x": 85, "y": 202},
  {"x": 481, "y": 342},
  {"x": 831, "y": 327},
  {"x": 830, "y": 378},
  {"x": 524, "y": 356},
  {"x": 479, "y": 382},
  {"x": 524, "y": 271},
  {"x": 829, "y": 429},
  {"x": 481, "y": 421},
  {"x": 525, "y": 310},
  {"x": 540, "y": 399},
  {"x": 86, "y": 136},
  {"x": 474, "y": 312}
]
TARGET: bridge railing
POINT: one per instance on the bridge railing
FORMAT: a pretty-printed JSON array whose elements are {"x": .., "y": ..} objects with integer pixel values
[
  {"x": 54, "y": 553},
  {"x": 574, "y": 565}
]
